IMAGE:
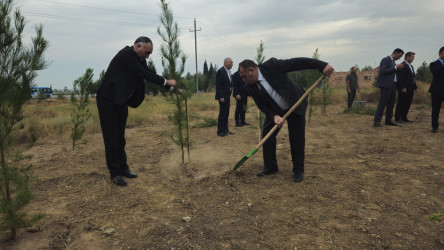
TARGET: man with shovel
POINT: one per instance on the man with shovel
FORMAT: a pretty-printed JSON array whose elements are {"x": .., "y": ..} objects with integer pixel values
[{"x": 274, "y": 94}]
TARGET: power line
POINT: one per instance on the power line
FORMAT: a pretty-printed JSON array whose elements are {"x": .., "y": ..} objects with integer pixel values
[
  {"x": 107, "y": 9},
  {"x": 84, "y": 19}
]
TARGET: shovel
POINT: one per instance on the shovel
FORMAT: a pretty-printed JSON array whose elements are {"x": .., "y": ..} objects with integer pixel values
[{"x": 252, "y": 152}]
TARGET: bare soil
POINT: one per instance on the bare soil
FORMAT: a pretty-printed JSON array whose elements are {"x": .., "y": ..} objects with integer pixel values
[{"x": 364, "y": 188}]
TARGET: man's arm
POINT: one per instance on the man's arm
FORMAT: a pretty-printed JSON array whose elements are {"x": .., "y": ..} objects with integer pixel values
[{"x": 436, "y": 67}]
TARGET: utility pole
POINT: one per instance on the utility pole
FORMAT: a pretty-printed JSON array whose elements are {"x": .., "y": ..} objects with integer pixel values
[{"x": 195, "y": 52}]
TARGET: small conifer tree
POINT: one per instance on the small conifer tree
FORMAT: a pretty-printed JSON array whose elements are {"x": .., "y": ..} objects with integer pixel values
[
  {"x": 80, "y": 99},
  {"x": 18, "y": 68}
]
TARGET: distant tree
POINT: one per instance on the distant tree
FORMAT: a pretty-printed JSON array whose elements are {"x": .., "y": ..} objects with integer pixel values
[
  {"x": 423, "y": 73},
  {"x": 18, "y": 68},
  {"x": 173, "y": 61},
  {"x": 96, "y": 84},
  {"x": 80, "y": 99},
  {"x": 153, "y": 88},
  {"x": 367, "y": 68},
  {"x": 212, "y": 70},
  {"x": 205, "y": 68}
]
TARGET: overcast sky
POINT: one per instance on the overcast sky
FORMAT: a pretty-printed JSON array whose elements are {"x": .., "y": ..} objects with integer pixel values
[{"x": 87, "y": 34}]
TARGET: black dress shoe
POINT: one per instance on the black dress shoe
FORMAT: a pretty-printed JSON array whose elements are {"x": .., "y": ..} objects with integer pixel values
[
  {"x": 434, "y": 130},
  {"x": 230, "y": 133},
  {"x": 377, "y": 124},
  {"x": 298, "y": 177},
  {"x": 239, "y": 125},
  {"x": 129, "y": 174},
  {"x": 118, "y": 180},
  {"x": 266, "y": 172},
  {"x": 221, "y": 134},
  {"x": 245, "y": 123},
  {"x": 390, "y": 123},
  {"x": 406, "y": 120},
  {"x": 399, "y": 120}
]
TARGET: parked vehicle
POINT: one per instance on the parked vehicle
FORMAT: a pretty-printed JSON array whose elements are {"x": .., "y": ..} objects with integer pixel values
[{"x": 45, "y": 92}]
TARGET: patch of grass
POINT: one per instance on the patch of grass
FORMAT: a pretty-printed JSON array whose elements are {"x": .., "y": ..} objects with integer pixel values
[{"x": 436, "y": 217}]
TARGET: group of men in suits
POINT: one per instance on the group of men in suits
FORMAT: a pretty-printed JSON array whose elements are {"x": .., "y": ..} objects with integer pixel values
[
  {"x": 226, "y": 83},
  {"x": 394, "y": 78}
]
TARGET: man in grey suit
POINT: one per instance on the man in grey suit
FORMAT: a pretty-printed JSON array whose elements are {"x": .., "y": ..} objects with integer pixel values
[{"x": 387, "y": 79}]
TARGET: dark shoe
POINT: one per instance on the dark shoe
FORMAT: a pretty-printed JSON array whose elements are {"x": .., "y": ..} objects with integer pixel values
[
  {"x": 221, "y": 134},
  {"x": 118, "y": 180},
  {"x": 399, "y": 120},
  {"x": 266, "y": 172},
  {"x": 377, "y": 124},
  {"x": 245, "y": 123},
  {"x": 390, "y": 123},
  {"x": 406, "y": 120},
  {"x": 239, "y": 125},
  {"x": 434, "y": 130},
  {"x": 129, "y": 174},
  {"x": 230, "y": 133},
  {"x": 298, "y": 177}
]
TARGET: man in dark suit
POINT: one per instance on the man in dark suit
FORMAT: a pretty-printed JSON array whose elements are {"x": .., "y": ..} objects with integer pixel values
[
  {"x": 406, "y": 87},
  {"x": 437, "y": 88},
  {"x": 241, "y": 96},
  {"x": 122, "y": 86},
  {"x": 223, "y": 93},
  {"x": 387, "y": 79},
  {"x": 274, "y": 94}
]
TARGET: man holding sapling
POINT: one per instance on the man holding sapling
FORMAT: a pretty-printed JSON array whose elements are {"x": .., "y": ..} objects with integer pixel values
[{"x": 122, "y": 86}]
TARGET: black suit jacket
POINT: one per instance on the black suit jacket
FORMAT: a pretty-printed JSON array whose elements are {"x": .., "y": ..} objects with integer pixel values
[
  {"x": 275, "y": 72},
  {"x": 406, "y": 78},
  {"x": 123, "y": 83},
  {"x": 223, "y": 84},
  {"x": 238, "y": 86},
  {"x": 387, "y": 72},
  {"x": 437, "y": 69}
]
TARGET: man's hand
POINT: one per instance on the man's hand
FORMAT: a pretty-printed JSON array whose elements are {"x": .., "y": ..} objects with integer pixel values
[
  {"x": 171, "y": 83},
  {"x": 279, "y": 121},
  {"x": 238, "y": 97},
  {"x": 404, "y": 90},
  {"x": 400, "y": 66},
  {"x": 328, "y": 70},
  {"x": 222, "y": 100},
  {"x": 349, "y": 91}
]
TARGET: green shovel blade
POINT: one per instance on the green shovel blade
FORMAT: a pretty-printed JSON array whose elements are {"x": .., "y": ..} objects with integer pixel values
[{"x": 245, "y": 159}]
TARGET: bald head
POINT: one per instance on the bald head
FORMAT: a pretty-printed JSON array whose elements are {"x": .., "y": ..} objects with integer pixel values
[{"x": 228, "y": 63}]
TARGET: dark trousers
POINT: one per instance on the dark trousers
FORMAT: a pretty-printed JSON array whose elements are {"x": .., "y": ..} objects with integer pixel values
[
  {"x": 387, "y": 99},
  {"x": 351, "y": 97},
  {"x": 241, "y": 109},
  {"x": 403, "y": 105},
  {"x": 437, "y": 99},
  {"x": 296, "y": 131},
  {"x": 113, "y": 122},
  {"x": 222, "y": 120}
]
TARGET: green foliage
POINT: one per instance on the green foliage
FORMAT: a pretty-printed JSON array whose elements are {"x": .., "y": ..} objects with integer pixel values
[
  {"x": 32, "y": 135},
  {"x": 311, "y": 105},
  {"x": 423, "y": 73},
  {"x": 367, "y": 68},
  {"x": 260, "y": 53},
  {"x": 173, "y": 62},
  {"x": 81, "y": 113},
  {"x": 325, "y": 96},
  {"x": 94, "y": 88},
  {"x": 18, "y": 68},
  {"x": 436, "y": 217}
]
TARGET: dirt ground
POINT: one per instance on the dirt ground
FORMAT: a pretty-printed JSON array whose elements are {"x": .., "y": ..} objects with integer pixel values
[{"x": 364, "y": 188}]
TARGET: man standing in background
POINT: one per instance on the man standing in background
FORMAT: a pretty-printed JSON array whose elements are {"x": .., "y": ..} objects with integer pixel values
[
  {"x": 223, "y": 93},
  {"x": 352, "y": 86},
  {"x": 241, "y": 96},
  {"x": 406, "y": 88},
  {"x": 387, "y": 79},
  {"x": 437, "y": 88}
]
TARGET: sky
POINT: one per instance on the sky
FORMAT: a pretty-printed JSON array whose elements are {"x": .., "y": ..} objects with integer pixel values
[{"x": 87, "y": 34}]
